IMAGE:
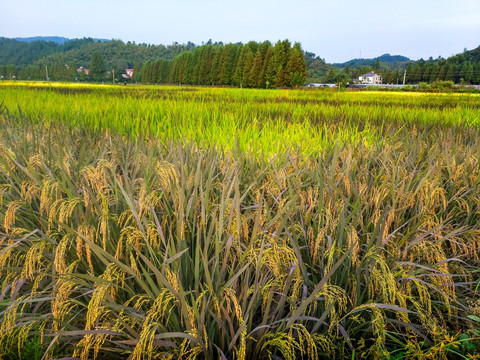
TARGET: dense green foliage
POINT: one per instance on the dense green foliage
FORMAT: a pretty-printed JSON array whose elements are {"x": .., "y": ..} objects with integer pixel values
[
  {"x": 97, "y": 67},
  {"x": 394, "y": 61},
  {"x": 462, "y": 68},
  {"x": 254, "y": 65},
  {"x": 21, "y": 54},
  {"x": 27, "y": 61},
  {"x": 250, "y": 65},
  {"x": 176, "y": 222}
]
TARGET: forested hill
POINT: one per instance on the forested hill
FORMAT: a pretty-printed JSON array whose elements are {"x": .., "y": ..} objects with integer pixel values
[
  {"x": 24, "y": 53},
  {"x": 117, "y": 54},
  {"x": 468, "y": 56},
  {"x": 247, "y": 65},
  {"x": 394, "y": 61},
  {"x": 79, "y": 52},
  {"x": 55, "y": 39}
]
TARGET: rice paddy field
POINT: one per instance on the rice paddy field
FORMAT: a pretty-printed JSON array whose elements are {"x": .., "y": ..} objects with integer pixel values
[{"x": 206, "y": 223}]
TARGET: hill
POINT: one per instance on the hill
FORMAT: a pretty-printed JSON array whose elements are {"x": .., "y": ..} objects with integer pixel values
[
  {"x": 115, "y": 53},
  {"x": 55, "y": 39},
  {"x": 24, "y": 53},
  {"x": 392, "y": 61}
]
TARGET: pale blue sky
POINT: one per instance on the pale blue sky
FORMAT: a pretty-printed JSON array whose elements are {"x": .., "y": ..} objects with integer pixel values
[{"x": 335, "y": 30}]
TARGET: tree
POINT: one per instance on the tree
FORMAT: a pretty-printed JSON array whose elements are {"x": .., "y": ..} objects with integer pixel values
[
  {"x": 435, "y": 72},
  {"x": 229, "y": 60},
  {"x": 426, "y": 72},
  {"x": 137, "y": 72},
  {"x": 238, "y": 75},
  {"x": 296, "y": 68},
  {"x": 341, "y": 79},
  {"x": 97, "y": 67},
  {"x": 388, "y": 77},
  {"x": 410, "y": 74},
  {"x": 417, "y": 73},
  {"x": 247, "y": 67},
  {"x": 256, "y": 78},
  {"x": 450, "y": 74}
]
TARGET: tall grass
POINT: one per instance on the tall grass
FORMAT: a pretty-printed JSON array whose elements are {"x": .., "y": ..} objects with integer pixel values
[{"x": 153, "y": 246}]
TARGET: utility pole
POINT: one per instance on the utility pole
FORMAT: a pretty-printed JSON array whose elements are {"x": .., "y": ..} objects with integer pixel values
[
  {"x": 404, "y": 77},
  {"x": 113, "y": 76},
  {"x": 46, "y": 72}
]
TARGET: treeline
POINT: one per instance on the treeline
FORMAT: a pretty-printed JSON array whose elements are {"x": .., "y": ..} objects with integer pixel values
[
  {"x": 117, "y": 54},
  {"x": 54, "y": 72},
  {"x": 317, "y": 68},
  {"x": 253, "y": 64},
  {"x": 256, "y": 65},
  {"x": 30, "y": 60},
  {"x": 463, "y": 68},
  {"x": 21, "y": 54},
  {"x": 389, "y": 61}
]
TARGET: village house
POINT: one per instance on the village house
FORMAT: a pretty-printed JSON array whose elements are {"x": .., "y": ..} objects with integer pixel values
[
  {"x": 81, "y": 69},
  {"x": 129, "y": 74},
  {"x": 370, "y": 78}
]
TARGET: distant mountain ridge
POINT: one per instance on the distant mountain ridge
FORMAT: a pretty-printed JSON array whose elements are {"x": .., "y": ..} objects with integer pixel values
[
  {"x": 385, "y": 58},
  {"x": 55, "y": 39}
]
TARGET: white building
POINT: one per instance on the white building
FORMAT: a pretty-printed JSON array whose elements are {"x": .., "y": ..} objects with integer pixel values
[{"x": 370, "y": 78}]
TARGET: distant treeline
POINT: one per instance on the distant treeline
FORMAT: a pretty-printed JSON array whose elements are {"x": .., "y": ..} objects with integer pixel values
[
  {"x": 247, "y": 65},
  {"x": 115, "y": 53},
  {"x": 22, "y": 54},
  {"x": 254, "y": 64},
  {"x": 461, "y": 68}
]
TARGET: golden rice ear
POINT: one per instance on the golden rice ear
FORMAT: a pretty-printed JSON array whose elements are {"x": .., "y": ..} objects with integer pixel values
[{"x": 295, "y": 224}]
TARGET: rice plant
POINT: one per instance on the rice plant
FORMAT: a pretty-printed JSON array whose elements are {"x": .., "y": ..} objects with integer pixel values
[{"x": 191, "y": 223}]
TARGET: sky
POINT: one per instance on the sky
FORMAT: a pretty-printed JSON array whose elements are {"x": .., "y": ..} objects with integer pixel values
[{"x": 334, "y": 30}]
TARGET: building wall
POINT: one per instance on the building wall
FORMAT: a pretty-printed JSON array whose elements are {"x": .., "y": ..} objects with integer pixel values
[{"x": 376, "y": 79}]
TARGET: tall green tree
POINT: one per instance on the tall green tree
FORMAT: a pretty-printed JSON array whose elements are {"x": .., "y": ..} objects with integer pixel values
[
  {"x": 296, "y": 68},
  {"x": 268, "y": 68},
  {"x": 137, "y": 73},
  {"x": 247, "y": 80},
  {"x": 410, "y": 73},
  {"x": 281, "y": 52},
  {"x": 228, "y": 63},
  {"x": 435, "y": 72},
  {"x": 97, "y": 67},
  {"x": 450, "y": 75},
  {"x": 469, "y": 74}
]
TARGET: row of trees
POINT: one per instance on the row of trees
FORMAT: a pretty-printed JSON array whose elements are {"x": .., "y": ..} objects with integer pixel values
[
  {"x": 256, "y": 65},
  {"x": 117, "y": 54},
  {"x": 58, "y": 72},
  {"x": 420, "y": 71},
  {"x": 22, "y": 54},
  {"x": 461, "y": 68},
  {"x": 423, "y": 71},
  {"x": 246, "y": 65}
]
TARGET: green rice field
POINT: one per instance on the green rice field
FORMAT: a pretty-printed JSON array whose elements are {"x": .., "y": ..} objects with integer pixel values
[{"x": 148, "y": 222}]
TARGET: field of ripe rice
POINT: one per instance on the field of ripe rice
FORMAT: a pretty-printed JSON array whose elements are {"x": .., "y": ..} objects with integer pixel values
[{"x": 203, "y": 223}]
